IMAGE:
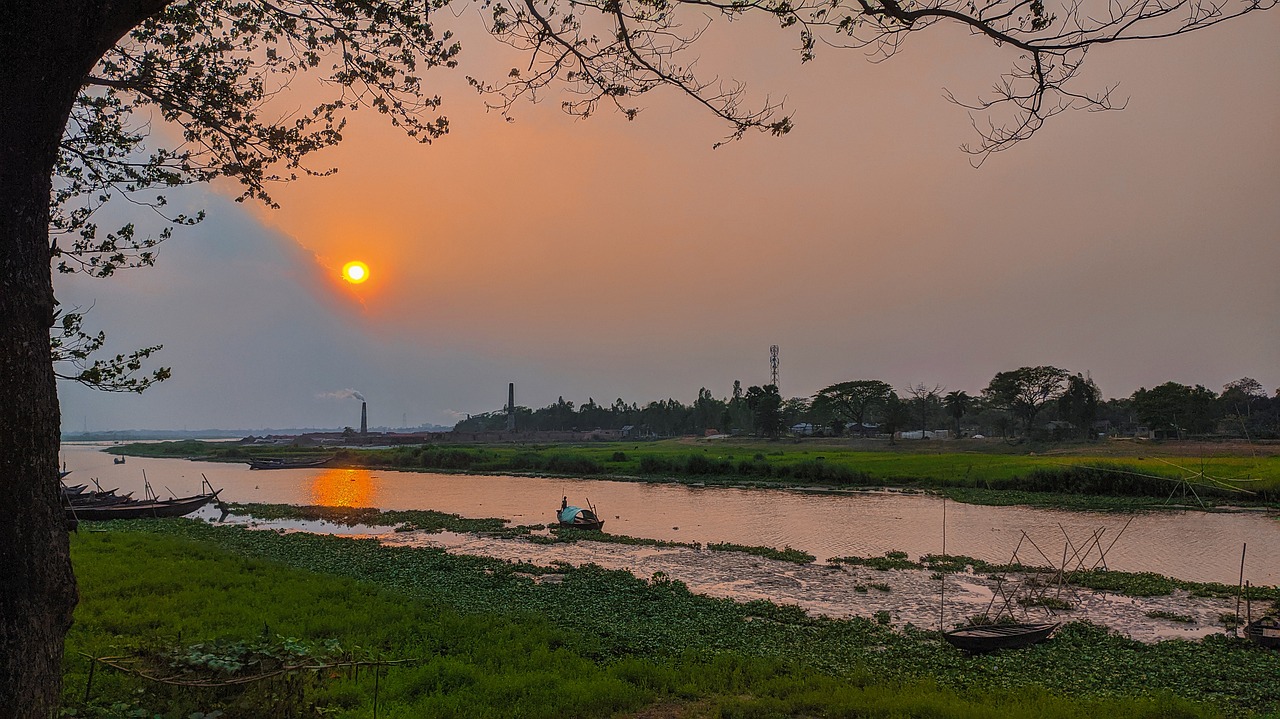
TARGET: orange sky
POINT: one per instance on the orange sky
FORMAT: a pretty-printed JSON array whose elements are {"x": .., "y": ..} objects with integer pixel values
[{"x": 605, "y": 258}]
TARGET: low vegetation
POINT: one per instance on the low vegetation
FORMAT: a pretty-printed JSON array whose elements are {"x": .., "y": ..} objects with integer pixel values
[
  {"x": 1130, "y": 584},
  {"x": 487, "y": 640},
  {"x": 786, "y": 554},
  {"x": 402, "y": 520},
  {"x": 1125, "y": 478}
]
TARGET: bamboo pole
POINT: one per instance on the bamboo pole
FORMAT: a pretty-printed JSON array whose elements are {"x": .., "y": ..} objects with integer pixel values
[
  {"x": 376, "y": 672},
  {"x": 88, "y": 686},
  {"x": 1248, "y": 605},
  {"x": 1240, "y": 587},
  {"x": 942, "y": 573}
]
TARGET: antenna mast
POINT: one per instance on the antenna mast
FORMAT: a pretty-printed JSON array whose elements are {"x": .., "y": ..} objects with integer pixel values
[{"x": 773, "y": 364}]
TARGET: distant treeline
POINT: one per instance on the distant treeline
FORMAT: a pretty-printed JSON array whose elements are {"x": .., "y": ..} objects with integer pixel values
[
  {"x": 1044, "y": 403},
  {"x": 789, "y": 468}
]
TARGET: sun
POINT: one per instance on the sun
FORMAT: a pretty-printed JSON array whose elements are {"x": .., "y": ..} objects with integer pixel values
[{"x": 355, "y": 272}]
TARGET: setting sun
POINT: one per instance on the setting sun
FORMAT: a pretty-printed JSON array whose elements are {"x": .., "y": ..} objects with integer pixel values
[{"x": 355, "y": 272}]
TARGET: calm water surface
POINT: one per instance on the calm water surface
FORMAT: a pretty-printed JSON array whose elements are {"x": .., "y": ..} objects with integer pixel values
[{"x": 1190, "y": 545}]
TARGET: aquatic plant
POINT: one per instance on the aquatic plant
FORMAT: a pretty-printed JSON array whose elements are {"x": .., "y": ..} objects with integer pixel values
[
  {"x": 786, "y": 554},
  {"x": 503, "y": 645}
]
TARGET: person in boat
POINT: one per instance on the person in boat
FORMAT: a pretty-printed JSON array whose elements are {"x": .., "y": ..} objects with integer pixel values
[{"x": 564, "y": 503}]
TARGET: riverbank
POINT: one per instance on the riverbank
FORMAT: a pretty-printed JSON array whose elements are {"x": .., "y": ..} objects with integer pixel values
[
  {"x": 1125, "y": 477},
  {"x": 1085, "y": 574},
  {"x": 497, "y": 638}
]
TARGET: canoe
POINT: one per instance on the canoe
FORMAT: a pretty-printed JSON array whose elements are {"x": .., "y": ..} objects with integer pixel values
[
  {"x": 287, "y": 463},
  {"x": 134, "y": 509},
  {"x": 1264, "y": 632},
  {"x": 994, "y": 637}
]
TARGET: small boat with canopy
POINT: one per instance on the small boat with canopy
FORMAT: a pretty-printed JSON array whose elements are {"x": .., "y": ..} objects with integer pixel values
[{"x": 579, "y": 517}]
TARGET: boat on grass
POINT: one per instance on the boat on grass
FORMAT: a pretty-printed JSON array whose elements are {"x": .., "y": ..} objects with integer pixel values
[
  {"x": 578, "y": 517},
  {"x": 101, "y": 505},
  {"x": 1264, "y": 632},
  {"x": 97, "y": 499},
  {"x": 983, "y": 638},
  {"x": 141, "y": 509}
]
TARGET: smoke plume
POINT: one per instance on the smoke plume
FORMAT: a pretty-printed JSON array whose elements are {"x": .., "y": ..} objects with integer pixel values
[{"x": 342, "y": 394}]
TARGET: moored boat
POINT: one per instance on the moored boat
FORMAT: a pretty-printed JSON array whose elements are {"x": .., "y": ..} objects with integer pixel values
[
  {"x": 98, "y": 499},
  {"x": 287, "y": 463},
  {"x": 1264, "y": 632},
  {"x": 994, "y": 637},
  {"x": 141, "y": 509}
]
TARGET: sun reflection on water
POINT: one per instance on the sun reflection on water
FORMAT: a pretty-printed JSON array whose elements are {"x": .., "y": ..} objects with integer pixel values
[{"x": 344, "y": 488}]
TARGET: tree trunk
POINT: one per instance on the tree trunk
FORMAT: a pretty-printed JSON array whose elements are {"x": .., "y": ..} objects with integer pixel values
[
  {"x": 47, "y": 48},
  {"x": 38, "y": 593}
]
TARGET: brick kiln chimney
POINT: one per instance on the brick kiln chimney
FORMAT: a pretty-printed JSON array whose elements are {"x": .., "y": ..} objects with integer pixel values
[{"x": 511, "y": 407}]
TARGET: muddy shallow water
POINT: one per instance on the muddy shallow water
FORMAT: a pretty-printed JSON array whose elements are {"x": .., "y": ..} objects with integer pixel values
[
  {"x": 912, "y": 595},
  {"x": 1189, "y": 545}
]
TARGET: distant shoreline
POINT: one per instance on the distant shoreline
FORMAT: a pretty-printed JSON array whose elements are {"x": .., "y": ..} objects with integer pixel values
[{"x": 1116, "y": 482}]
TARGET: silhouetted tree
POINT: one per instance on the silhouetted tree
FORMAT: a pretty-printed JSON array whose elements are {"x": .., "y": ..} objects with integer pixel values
[
  {"x": 766, "y": 409},
  {"x": 852, "y": 401},
  {"x": 894, "y": 415},
  {"x": 614, "y": 52},
  {"x": 1079, "y": 403},
  {"x": 1177, "y": 408},
  {"x": 957, "y": 404},
  {"x": 795, "y": 410},
  {"x": 926, "y": 401},
  {"x": 1025, "y": 391},
  {"x": 1240, "y": 396}
]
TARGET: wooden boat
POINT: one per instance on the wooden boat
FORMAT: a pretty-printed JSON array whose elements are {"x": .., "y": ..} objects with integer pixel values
[
  {"x": 287, "y": 463},
  {"x": 135, "y": 509},
  {"x": 993, "y": 637},
  {"x": 578, "y": 518},
  {"x": 1264, "y": 632},
  {"x": 97, "y": 498}
]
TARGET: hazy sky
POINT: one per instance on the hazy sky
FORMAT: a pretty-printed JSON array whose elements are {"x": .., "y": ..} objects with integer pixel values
[{"x": 606, "y": 258}]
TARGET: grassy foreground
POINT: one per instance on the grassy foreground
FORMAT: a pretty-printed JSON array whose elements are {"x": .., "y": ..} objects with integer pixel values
[
  {"x": 493, "y": 641},
  {"x": 1124, "y": 475}
]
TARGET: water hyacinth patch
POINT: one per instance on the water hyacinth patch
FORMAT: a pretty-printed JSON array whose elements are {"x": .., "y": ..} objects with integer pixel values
[{"x": 675, "y": 644}]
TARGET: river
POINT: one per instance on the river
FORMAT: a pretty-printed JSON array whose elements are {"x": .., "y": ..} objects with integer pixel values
[{"x": 1191, "y": 545}]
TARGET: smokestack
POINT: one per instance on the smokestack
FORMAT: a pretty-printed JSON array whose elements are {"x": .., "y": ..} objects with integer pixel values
[
  {"x": 511, "y": 407},
  {"x": 364, "y": 418}
]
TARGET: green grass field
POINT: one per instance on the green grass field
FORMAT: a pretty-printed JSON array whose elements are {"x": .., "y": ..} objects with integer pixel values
[
  {"x": 1220, "y": 473},
  {"x": 491, "y": 641}
]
